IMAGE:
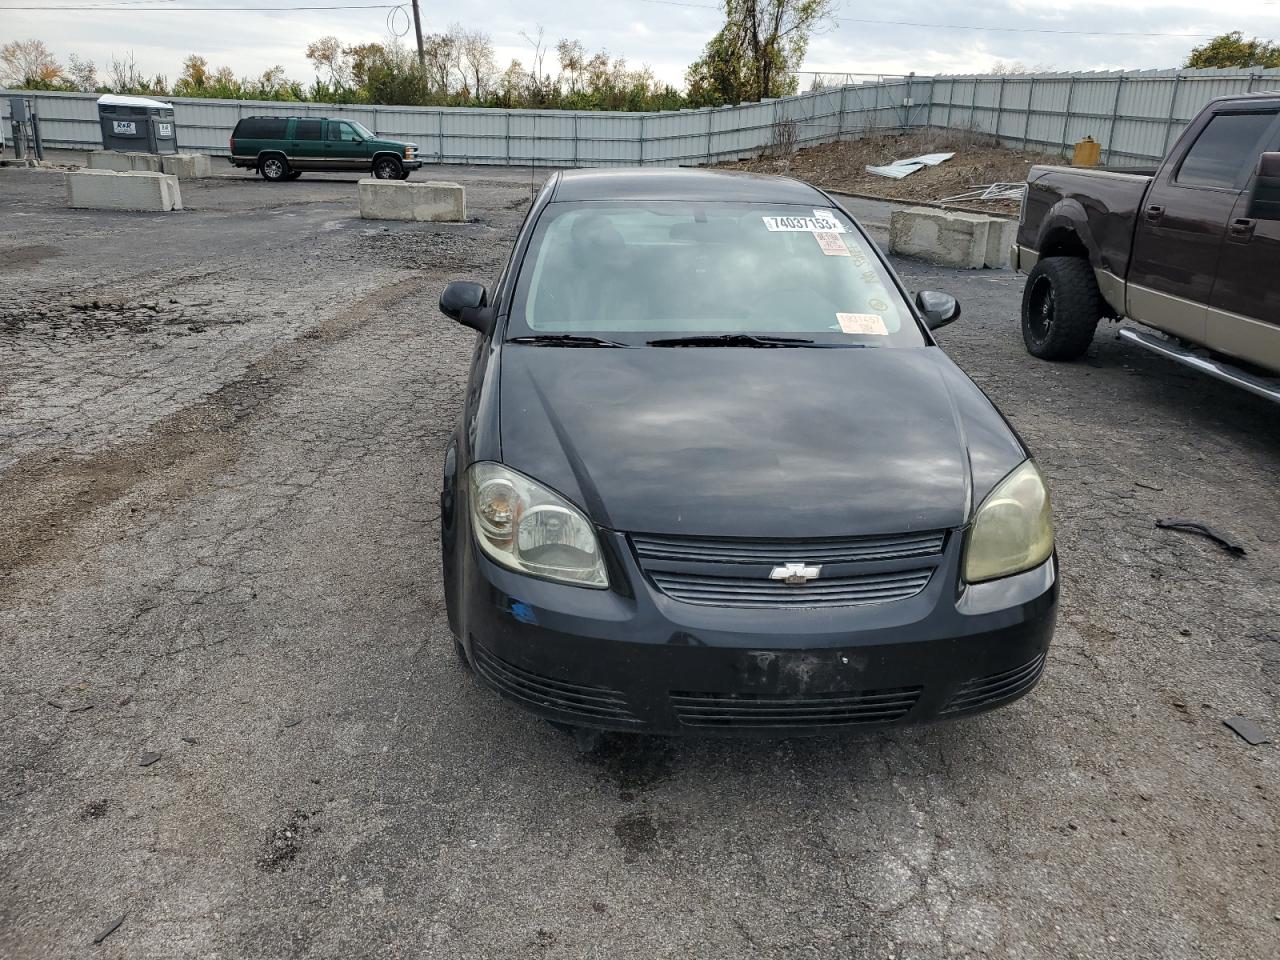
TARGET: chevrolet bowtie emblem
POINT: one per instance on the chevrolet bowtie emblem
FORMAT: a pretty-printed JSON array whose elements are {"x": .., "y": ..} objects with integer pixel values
[{"x": 795, "y": 573}]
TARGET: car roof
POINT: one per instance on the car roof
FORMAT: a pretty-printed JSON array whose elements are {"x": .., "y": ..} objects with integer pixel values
[{"x": 678, "y": 183}]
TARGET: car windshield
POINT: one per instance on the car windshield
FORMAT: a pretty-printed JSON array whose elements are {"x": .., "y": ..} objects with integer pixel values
[
  {"x": 361, "y": 129},
  {"x": 684, "y": 273}
]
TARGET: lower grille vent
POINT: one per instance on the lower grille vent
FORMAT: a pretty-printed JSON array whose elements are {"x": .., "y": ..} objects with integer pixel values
[
  {"x": 987, "y": 691},
  {"x": 750, "y": 711},
  {"x": 599, "y": 703}
]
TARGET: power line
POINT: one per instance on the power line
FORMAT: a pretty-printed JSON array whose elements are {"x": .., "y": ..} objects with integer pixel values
[{"x": 966, "y": 26}]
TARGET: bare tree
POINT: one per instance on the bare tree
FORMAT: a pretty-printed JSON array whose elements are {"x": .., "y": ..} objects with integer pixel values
[
  {"x": 123, "y": 75},
  {"x": 82, "y": 74},
  {"x": 539, "y": 51},
  {"x": 441, "y": 60},
  {"x": 479, "y": 61}
]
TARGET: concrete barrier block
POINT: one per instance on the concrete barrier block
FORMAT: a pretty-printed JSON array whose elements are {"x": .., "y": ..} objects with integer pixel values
[
  {"x": 128, "y": 190},
  {"x": 186, "y": 166},
  {"x": 144, "y": 162},
  {"x": 944, "y": 237},
  {"x": 107, "y": 160},
  {"x": 122, "y": 162},
  {"x": 1001, "y": 234},
  {"x": 402, "y": 200}
]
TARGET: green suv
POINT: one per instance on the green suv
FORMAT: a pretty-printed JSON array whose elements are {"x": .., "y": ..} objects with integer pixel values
[{"x": 281, "y": 148}]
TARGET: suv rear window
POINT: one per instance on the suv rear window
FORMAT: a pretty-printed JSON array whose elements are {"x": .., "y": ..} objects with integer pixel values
[
  {"x": 307, "y": 130},
  {"x": 1225, "y": 149},
  {"x": 262, "y": 128}
]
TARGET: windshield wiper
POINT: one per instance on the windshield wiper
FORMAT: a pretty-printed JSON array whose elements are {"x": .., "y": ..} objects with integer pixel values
[
  {"x": 567, "y": 340},
  {"x": 732, "y": 340}
]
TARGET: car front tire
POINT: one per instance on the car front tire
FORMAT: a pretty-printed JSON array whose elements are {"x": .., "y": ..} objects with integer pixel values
[{"x": 1061, "y": 307}]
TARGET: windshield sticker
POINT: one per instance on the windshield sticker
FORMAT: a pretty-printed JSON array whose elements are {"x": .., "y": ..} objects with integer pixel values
[
  {"x": 832, "y": 245},
  {"x": 837, "y": 227},
  {"x": 867, "y": 324},
  {"x": 820, "y": 223}
]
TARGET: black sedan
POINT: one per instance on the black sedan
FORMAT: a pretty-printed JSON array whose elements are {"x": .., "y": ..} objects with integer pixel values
[{"x": 713, "y": 474}]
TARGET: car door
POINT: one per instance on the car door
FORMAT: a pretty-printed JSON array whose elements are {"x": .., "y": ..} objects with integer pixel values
[
  {"x": 1244, "y": 312},
  {"x": 1181, "y": 227},
  {"x": 307, "y": 151},
  {"x": 344, "y": 147}
]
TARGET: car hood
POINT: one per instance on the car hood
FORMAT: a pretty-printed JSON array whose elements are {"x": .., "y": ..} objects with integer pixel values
[
  {"x": 747, "y": 442},
  {"x": 384, "y": 142}
]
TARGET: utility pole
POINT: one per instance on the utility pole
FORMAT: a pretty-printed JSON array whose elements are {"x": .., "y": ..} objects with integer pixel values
[{"x": 417, "y": 29}]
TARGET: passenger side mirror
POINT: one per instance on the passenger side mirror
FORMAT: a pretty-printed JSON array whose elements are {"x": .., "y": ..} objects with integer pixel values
[
  {"x": 468, "y": 303},
  {"x": 1264, "y": 204},
  {"x": 938, "y": 309}
]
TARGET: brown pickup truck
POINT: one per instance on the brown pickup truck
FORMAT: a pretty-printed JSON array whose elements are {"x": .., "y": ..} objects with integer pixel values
[{"x": 1191, "y": 249}]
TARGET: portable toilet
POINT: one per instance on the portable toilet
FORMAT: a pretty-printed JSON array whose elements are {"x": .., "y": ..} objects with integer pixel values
[{"x": 137, "y": 124}]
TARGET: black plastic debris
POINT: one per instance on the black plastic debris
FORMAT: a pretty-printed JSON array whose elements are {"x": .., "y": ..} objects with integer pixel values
[
  {"x": 191, "y": 740},
  {"x": 1204, "y": 530},
  {"x": 1248, "y": 731},
  {"x": 111, "y": 928},
  {"x": 147, "y": 759}
]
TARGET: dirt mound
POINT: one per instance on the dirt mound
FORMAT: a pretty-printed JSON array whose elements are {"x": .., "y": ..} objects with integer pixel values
[{"x": 841, "y": 167}]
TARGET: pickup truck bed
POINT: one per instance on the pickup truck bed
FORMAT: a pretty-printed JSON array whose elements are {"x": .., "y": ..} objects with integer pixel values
[{"x": 1191, "y": 248}]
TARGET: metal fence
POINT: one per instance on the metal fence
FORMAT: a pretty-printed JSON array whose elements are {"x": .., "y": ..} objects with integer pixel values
[
  {"x": 538, "y": 137},
  {"x": 1134, "y": 115}
]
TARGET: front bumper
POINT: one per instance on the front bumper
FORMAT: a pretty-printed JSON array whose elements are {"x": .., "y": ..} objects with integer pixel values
[
  {"x": 642, "y": 661},
  {"x": 413, "y": 164}
]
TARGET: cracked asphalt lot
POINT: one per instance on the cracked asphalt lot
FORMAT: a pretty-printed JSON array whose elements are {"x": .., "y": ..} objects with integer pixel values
[{"x": 230, "y": 713}]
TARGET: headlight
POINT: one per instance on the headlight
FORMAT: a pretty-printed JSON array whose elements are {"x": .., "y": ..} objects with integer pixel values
[
  {"x": 409, "y": 152},
  {"x": 523, "y": 526},
  {"x": 1013, "y": 529}
]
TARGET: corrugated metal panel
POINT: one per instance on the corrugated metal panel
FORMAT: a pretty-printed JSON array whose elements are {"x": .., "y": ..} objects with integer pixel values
[{"x": 1135, "y": 115}]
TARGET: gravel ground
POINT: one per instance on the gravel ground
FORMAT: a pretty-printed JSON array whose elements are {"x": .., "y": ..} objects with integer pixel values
[{"x": 230, "y": 713}]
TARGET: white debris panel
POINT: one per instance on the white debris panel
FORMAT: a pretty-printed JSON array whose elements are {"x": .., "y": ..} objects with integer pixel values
[{"x": 904, "y": 168}]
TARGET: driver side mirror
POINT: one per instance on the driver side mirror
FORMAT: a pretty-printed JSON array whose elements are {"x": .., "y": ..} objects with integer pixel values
[
  {"x": 938, "y": 309},
  {"x": 468, "y": 303},
  {"x": 1264, "y": 204}
]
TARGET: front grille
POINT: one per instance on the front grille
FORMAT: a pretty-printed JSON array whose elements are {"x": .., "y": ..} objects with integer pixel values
[
  {"x": 592, "y": 702},
  {"x": 727, "y": 572},
  {"x": 987, "y": 691},
  {"x": 846, "y": 550},
  {"x": 761, "y": 712},
  {"x": 760, "y": 592}
]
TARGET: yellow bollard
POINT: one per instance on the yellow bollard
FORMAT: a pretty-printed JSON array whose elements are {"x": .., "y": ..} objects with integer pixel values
[{"x": 1088, "y": 153}]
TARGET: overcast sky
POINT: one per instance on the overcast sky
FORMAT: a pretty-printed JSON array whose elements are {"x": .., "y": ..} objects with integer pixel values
[{"x": 666, "y": 34}]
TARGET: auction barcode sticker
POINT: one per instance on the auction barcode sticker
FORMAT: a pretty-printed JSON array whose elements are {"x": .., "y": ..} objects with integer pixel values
[
  {"x": 820, "y": 222},
  {"x": 866, "y": 324}
]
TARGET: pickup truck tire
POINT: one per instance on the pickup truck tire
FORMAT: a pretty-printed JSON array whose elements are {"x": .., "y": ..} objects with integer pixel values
[
  {"x": 387, "y": 168},
  {"x": 1061, "y": 307}
]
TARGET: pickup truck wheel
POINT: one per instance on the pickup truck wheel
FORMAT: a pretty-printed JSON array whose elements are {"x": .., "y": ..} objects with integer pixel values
[
  {"x": 387, "y": 168},
  {"x": 1061, "y": 307}
]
